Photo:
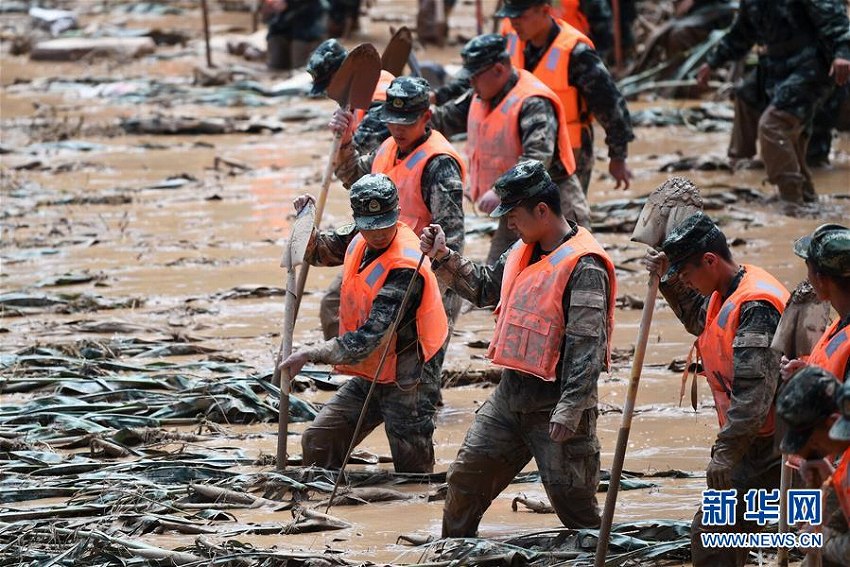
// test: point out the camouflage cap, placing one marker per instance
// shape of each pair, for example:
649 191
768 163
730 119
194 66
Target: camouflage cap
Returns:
515 8
407 99
374 202
688 238
524 180
828 248
804 403
323 63
841 429
482 52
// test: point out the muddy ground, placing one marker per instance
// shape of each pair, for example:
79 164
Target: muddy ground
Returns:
139 245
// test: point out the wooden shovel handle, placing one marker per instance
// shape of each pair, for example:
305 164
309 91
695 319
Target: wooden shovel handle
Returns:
626 424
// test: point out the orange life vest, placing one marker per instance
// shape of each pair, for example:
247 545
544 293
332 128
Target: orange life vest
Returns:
360 287
832 353
494 143
380 94
407 175
721 324
553 70
841 484
570 12
530 322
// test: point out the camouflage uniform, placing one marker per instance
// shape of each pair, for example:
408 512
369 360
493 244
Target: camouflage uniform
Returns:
806 403
600 98
442 193
407 406
538 126
512 426
324 62
801 38
757 464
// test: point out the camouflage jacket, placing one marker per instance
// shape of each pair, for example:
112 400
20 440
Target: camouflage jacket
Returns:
538 126
583 352
756 364
836 546
599 93
442 187
328 249
795 32
372 131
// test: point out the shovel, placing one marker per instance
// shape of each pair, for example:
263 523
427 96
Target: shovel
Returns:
399 51
670 203
293 256
353 86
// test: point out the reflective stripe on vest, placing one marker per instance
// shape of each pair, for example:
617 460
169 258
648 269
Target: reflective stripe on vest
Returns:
380 94
530 322
553 70
360 287
832 351
721 325
841 484
407 175
494 143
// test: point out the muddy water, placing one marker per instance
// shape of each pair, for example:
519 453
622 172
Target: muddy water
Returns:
176 248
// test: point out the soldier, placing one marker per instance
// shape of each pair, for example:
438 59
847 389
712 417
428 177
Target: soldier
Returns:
425 167
590 17
512 117
801 38
369 130
555 291
379 256
817 409
827 255
295 28
565 60
734 310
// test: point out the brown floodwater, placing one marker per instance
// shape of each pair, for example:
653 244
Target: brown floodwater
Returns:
176 248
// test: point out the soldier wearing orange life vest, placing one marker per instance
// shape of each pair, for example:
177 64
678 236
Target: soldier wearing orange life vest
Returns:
827 255
734 311
379 255
555 289
510 118
567 61
323 64
816 408
427 170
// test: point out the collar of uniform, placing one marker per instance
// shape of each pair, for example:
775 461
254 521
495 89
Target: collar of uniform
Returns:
400 155
736 281
496 100
538 253
532 54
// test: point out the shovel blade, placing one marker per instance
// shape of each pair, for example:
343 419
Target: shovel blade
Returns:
295 247
395 55
353 85
668 205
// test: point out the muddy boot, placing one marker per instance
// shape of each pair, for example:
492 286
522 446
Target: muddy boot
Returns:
301 51
742 142
278 53
781 135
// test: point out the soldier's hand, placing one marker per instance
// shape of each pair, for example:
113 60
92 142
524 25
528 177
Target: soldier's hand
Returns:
488 202
840 70
342 123
656 262
302 201
703 74
621 172
432 242
718 475
814 471
294 362
559 432
788 368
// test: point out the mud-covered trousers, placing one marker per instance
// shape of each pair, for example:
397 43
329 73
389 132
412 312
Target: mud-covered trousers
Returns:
760 468
407 414
497 447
